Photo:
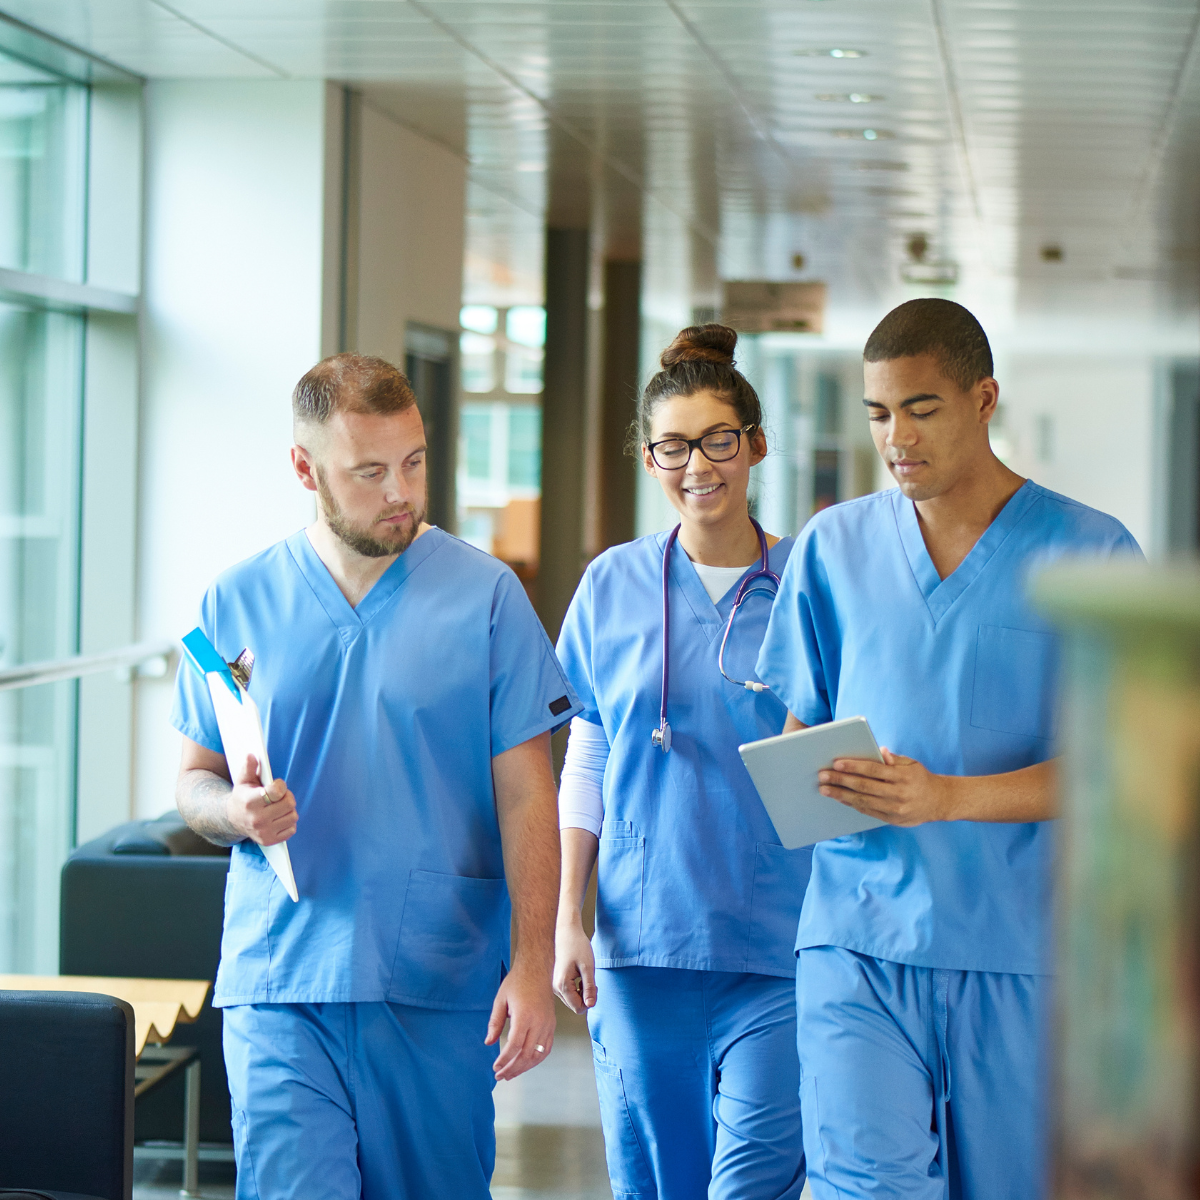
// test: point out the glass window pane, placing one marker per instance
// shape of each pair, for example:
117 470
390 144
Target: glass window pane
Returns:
478 362
526 324
477 441
43 130
523 371
482 318
40 401
525 447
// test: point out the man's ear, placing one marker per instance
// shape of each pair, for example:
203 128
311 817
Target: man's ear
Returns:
988 395
305 467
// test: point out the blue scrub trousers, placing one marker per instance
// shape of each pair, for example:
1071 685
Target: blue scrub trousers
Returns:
374 1100
920 1083
697 1076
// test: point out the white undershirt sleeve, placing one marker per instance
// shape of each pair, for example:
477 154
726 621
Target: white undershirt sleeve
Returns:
581 789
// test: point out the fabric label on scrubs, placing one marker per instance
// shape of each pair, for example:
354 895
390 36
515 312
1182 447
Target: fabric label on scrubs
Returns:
559 706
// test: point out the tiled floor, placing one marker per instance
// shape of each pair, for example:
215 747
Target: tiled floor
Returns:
548 1141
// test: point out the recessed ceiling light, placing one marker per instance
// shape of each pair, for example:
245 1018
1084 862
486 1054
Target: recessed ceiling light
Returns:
849 97
833 52
867 135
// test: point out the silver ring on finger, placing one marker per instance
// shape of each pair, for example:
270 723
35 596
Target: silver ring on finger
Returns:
540 1049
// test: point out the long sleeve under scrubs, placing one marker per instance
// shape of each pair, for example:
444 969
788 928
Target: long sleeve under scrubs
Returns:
355 1018
693 1032
923 965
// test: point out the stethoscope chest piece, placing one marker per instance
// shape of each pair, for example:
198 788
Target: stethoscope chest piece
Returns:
661 737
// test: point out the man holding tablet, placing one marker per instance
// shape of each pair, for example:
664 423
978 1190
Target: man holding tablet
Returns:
923 972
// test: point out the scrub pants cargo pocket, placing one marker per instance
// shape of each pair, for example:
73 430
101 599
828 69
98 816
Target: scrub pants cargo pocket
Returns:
452 936
628 1172
247 1185
619 893
814 1142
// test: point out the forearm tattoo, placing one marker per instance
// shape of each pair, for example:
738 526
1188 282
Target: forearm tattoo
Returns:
200 797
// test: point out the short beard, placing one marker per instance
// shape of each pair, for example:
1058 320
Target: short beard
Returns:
358 539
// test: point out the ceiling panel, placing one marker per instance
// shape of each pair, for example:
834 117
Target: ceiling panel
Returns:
994 127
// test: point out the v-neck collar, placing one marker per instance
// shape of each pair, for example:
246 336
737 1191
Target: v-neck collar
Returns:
350 621
709 616
940 594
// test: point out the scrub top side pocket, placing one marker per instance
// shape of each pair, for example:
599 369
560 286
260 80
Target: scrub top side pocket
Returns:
451 942
620 876
1013 688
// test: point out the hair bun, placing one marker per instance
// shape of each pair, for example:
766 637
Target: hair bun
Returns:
701 343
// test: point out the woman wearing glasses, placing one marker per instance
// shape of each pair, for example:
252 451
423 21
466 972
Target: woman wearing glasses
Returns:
689 989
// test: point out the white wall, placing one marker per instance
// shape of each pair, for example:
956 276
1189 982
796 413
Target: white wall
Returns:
1085 427
409 216
235 244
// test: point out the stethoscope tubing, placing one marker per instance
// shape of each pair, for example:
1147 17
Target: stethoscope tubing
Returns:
662 735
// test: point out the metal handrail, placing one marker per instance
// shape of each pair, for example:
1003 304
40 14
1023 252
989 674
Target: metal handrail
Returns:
86 664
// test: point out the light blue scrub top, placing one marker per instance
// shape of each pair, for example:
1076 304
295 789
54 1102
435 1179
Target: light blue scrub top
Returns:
384 721
691 872
956 673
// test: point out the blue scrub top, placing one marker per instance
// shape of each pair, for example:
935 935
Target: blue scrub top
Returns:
957 673
384 720
691 872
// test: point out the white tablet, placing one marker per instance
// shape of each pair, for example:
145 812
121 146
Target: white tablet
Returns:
784 770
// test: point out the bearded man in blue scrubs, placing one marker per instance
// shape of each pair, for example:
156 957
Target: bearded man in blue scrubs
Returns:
923 976
408 693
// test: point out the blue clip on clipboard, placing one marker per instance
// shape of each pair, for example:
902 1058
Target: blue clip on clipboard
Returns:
241 732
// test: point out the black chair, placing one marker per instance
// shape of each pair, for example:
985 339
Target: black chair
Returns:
66 1094
147 900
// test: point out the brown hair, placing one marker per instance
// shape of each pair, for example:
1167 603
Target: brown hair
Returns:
351 383
941 328
700 359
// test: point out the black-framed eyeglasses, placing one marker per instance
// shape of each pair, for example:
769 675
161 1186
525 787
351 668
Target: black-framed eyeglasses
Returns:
719 446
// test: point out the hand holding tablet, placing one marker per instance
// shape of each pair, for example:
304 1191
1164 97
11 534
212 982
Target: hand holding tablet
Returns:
784 770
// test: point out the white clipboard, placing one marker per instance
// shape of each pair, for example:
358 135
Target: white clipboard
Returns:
241 731
784 770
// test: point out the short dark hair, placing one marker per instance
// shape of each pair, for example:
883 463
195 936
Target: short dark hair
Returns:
351 383
700 359
938 327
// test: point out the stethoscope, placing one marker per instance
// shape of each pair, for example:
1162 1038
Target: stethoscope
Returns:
661 736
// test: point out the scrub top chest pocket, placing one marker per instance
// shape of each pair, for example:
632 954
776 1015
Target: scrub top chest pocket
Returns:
1013 688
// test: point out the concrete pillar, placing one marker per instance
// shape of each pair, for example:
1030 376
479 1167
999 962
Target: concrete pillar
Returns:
564 423
622 333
